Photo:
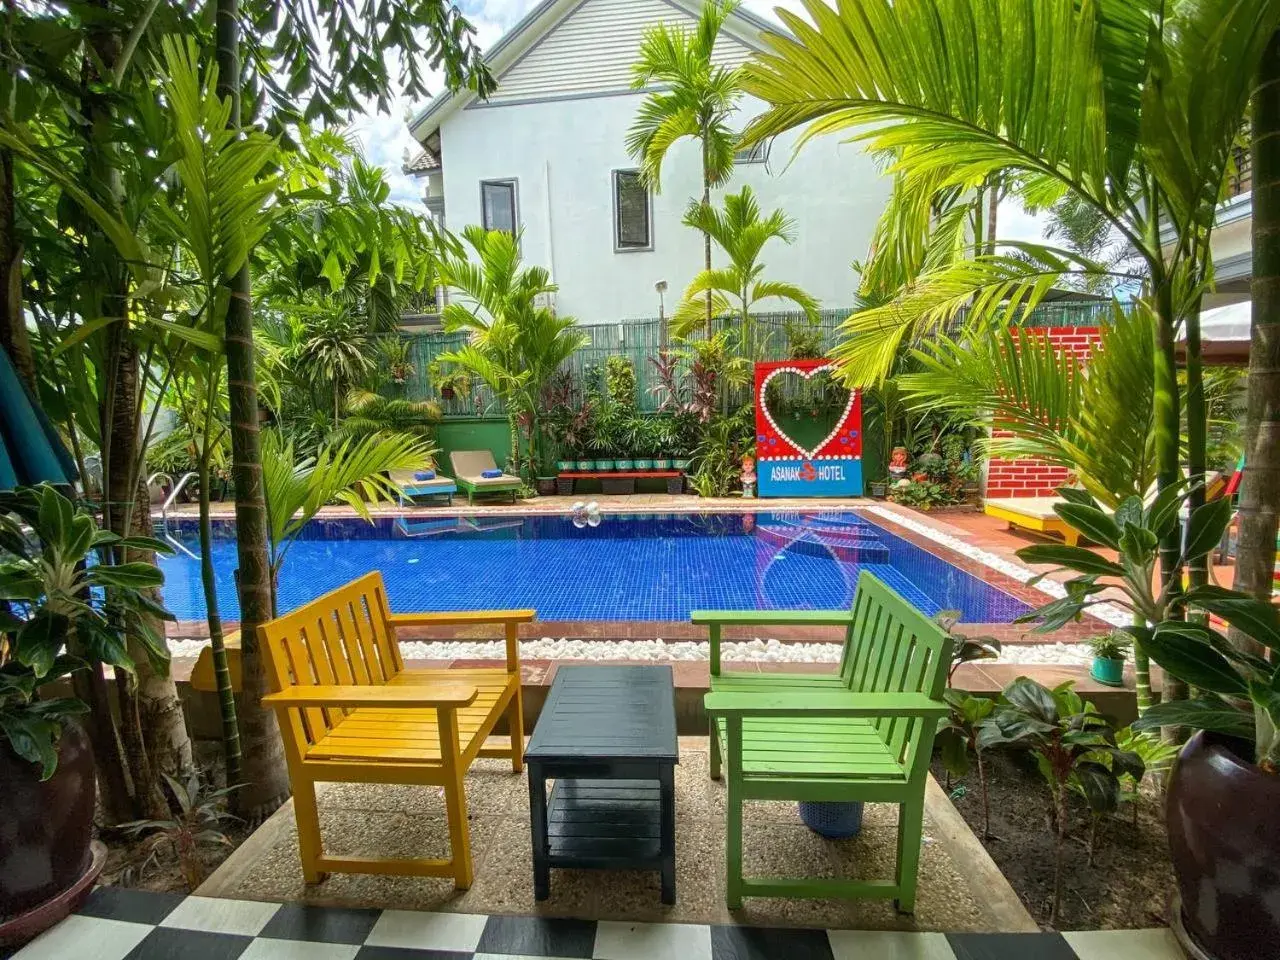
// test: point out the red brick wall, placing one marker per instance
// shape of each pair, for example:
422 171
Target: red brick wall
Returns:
1034 478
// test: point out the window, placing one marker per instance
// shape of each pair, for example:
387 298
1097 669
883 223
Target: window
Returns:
756 153
498 204
632 227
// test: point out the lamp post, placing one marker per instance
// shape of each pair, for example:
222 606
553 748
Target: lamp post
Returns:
661 288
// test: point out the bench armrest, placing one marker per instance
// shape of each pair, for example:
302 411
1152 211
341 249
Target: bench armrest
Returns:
774 618
715 619
824 704
398 695
510 619
461 617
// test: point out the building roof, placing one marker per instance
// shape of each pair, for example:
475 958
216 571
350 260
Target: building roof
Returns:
426 161
537 23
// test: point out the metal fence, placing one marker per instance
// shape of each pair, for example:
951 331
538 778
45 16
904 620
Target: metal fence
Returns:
641 341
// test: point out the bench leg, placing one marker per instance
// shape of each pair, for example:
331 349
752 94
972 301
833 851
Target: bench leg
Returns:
455 799
308 819
715 752
910 828
515 723
733 844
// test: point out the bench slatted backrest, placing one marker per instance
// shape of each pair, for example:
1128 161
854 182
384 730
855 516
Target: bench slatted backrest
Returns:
894 648
339 638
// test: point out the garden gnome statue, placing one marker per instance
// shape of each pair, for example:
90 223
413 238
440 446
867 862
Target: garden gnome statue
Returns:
898 463
748 477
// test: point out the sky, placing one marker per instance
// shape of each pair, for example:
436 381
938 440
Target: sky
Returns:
386 139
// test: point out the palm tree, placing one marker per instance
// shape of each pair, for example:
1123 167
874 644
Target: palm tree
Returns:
336 353
1131 106
1260 490
267 783
741 232
697 99
351 472
516 345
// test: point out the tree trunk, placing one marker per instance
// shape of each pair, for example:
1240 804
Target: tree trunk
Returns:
267 782
164 725
120 493
14 337
1168 426
221 671
706 203
1260 487
1168 422
993 205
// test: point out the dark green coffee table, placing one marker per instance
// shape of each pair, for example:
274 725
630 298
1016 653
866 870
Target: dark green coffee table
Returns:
607 737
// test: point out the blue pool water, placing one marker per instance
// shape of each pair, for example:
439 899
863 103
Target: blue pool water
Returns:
628 568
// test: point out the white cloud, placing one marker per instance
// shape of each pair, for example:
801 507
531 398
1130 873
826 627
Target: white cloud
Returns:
1015 223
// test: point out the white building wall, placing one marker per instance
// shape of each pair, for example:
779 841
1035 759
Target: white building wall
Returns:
562 153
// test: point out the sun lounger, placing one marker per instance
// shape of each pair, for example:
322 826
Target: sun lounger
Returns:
1032 513
468 469
415 490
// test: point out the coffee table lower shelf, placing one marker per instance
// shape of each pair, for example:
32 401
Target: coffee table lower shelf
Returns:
608 825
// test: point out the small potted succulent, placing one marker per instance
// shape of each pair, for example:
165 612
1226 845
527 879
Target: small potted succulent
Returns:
1109 652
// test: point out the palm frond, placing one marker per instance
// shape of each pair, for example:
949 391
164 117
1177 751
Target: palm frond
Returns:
1045 403
350 472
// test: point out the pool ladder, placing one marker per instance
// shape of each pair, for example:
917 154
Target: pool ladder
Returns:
168 502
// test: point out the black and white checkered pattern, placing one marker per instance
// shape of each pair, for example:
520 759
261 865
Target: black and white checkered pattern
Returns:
119 924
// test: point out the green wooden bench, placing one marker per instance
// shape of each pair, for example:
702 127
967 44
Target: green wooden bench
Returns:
863 733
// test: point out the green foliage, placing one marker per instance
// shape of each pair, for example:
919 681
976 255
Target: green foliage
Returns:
1099 420
198 822
1111 646
321 64
1096 100
1236 689
516 345
717 458
1074 747
350 472
620 384
741 232
59 614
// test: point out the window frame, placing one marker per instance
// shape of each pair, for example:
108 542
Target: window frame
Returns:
758 153
514 184
618 246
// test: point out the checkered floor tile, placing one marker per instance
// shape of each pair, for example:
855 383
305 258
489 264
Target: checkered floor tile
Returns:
118 924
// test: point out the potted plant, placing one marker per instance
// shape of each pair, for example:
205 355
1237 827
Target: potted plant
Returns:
46 764
879 489
450 381
663 441
640 441
1109 650
1223 797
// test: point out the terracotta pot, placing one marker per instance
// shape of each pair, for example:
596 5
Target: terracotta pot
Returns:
45 828
1223 817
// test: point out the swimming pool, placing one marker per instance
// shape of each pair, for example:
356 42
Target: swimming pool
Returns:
630 567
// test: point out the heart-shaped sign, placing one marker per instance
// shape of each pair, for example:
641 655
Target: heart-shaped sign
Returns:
787 445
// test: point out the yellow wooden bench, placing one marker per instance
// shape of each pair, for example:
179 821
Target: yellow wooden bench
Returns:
350 712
